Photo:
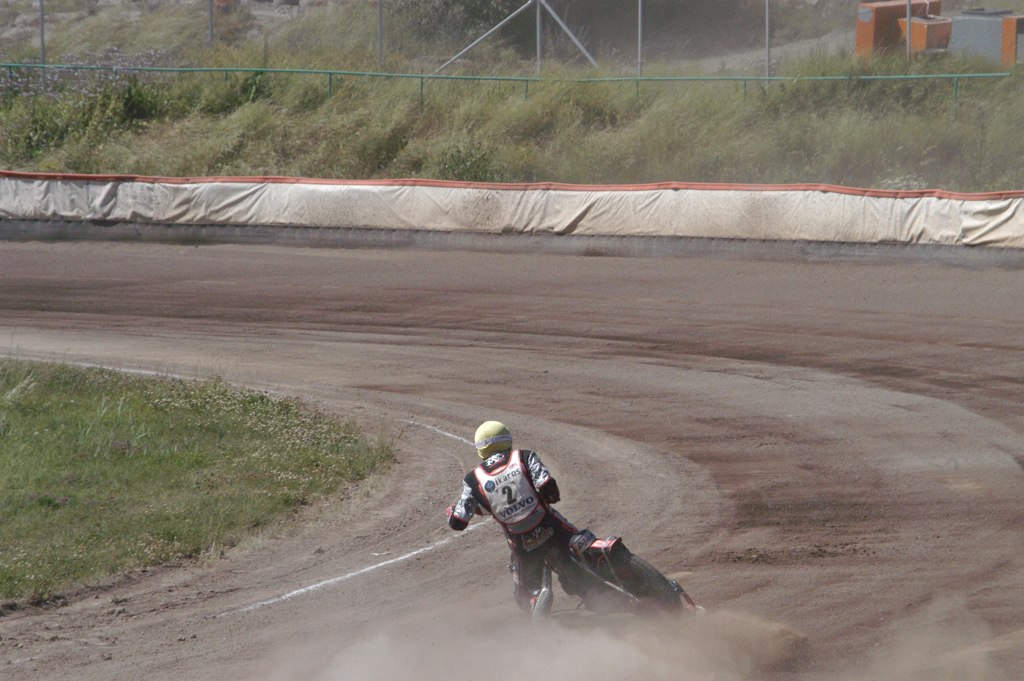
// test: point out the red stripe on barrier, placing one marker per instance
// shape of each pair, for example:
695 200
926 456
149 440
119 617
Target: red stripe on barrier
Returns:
528 186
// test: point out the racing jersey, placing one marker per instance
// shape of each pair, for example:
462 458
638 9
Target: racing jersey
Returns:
514 487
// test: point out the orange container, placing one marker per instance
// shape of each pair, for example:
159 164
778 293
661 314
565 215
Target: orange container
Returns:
926 33
878 28
1013 40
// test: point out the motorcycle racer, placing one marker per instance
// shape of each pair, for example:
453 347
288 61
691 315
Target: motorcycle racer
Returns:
515 488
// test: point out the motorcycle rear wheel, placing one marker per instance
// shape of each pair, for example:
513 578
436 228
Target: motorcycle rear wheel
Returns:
648 585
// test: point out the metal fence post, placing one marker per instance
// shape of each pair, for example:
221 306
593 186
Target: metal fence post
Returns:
538 35
380 36
42 33
909 9
639 39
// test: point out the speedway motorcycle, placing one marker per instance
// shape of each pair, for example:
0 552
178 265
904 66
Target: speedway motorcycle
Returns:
608 577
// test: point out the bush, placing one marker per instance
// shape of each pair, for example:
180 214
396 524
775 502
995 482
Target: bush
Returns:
469 164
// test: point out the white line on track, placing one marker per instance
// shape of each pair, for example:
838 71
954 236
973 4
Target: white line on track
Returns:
369 568
335 580
438 430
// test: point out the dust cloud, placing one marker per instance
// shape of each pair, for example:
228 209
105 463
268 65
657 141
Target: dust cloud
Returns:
719 646
939 642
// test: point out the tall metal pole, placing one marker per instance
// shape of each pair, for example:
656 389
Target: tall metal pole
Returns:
540 6
908 30
572 36
42 33
209 19
639 38
380 36
485 36
537 3
767 41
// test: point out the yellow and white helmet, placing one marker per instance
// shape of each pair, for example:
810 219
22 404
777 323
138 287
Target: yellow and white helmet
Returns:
492 437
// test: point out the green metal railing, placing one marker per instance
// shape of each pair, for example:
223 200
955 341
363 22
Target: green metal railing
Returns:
764 81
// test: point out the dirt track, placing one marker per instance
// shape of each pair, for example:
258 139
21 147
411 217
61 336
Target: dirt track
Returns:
828 448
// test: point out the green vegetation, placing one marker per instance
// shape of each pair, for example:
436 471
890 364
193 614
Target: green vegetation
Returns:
102 472
899 134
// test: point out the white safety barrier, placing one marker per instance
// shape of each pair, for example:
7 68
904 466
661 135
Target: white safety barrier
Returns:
758 212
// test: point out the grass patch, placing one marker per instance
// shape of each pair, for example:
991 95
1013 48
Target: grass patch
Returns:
101 472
